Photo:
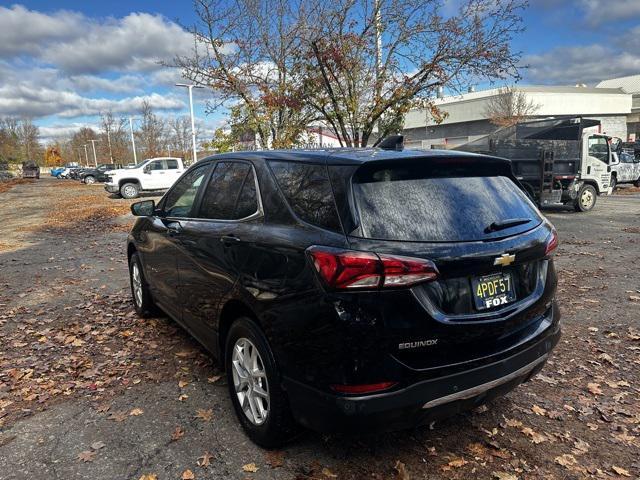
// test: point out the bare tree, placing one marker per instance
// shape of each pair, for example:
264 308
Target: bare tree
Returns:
250 53
179 136
509 107
151 132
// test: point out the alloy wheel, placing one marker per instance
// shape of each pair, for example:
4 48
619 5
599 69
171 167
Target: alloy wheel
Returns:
136 282
250 381
129 191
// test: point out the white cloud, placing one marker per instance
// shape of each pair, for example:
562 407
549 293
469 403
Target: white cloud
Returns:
583 64
29 101
600 12
24 31
80 45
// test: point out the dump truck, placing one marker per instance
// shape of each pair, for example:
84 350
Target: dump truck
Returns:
558 161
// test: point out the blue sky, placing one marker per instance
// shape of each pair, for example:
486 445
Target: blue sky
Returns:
62 62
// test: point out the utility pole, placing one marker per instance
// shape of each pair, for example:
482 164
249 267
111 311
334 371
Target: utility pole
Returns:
95 159
193 127
133 141
378 31
86 155
109 142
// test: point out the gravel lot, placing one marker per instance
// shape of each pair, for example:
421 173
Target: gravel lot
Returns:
89 390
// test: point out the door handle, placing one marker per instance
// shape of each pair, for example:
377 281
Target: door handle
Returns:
174 229
229 239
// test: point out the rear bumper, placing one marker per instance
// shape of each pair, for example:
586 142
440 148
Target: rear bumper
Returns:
421 402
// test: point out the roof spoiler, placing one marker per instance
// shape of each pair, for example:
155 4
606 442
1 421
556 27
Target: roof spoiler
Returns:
392 142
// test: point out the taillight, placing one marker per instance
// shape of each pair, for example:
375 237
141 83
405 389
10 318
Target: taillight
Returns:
552 243
406 271
349 269
361 389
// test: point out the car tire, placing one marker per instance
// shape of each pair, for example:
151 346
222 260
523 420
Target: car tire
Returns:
130 190
274 425
614 183
89 180
142 300
586 199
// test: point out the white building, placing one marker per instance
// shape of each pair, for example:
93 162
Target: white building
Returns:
630 84
467 113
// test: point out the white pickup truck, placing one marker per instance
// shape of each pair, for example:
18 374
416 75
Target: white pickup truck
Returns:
148 175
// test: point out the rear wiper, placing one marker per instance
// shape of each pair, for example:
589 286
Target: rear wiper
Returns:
508 223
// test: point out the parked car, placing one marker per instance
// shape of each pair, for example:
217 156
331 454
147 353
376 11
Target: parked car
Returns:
55 171
352 289
30 170
149 175
97 174
627 170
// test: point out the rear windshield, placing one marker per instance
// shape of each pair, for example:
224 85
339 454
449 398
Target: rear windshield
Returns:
405 205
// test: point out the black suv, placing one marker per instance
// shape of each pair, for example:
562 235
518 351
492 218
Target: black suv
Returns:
352 289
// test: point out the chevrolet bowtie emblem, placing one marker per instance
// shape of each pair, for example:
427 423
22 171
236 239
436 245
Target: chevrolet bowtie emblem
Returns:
504 259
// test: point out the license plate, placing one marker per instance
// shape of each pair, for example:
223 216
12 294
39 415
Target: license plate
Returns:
493 290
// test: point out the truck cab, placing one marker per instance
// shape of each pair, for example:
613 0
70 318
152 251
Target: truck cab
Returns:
149 175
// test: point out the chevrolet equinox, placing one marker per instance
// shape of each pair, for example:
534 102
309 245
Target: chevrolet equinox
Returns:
352 289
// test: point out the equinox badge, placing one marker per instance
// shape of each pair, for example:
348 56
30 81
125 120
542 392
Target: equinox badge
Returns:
504 259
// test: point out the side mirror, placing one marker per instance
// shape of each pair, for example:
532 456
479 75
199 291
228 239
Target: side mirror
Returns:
144 208
146 169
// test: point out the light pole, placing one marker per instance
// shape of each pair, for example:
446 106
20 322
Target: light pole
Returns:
133 141
95 159
193 127
86 155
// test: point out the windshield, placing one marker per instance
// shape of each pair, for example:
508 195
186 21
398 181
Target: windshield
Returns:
395 205
139 165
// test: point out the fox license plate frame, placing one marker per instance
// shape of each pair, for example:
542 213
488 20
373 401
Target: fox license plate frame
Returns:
492 291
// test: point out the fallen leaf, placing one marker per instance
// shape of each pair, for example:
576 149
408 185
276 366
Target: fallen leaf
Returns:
188 475
177 434
566 460
512 422
328 473
97 445
205 460
182 383
205 415
621 471
402 470
538 410
250 467
535 436
136 412
183 397
86 456
149 476
594 388
457 463
214 379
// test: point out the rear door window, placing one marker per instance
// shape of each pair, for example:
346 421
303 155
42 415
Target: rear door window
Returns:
307 189
231 193
411 204
172 164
